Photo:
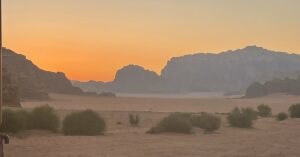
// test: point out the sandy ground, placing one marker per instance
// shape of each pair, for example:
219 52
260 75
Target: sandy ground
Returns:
268 138
278 103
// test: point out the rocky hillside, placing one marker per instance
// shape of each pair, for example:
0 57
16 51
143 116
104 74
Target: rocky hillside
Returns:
206 72
33 82
228 71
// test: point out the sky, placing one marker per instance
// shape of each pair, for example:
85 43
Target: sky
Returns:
92 39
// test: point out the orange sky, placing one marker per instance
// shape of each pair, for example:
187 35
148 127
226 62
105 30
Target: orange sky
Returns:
91 39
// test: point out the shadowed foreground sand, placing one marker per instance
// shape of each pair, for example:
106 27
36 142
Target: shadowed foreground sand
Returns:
268 138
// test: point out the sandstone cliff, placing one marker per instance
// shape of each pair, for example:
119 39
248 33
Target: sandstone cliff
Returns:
205 72
33 82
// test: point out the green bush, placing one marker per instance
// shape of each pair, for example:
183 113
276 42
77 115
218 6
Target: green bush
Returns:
24 115
43 118
13 121
264 110
242 118
175 122
206 121
134 119
281 116
87 123
295 111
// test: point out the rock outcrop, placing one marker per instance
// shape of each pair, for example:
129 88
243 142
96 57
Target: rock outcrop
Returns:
129 79
58 83
136 79
33 82
228 71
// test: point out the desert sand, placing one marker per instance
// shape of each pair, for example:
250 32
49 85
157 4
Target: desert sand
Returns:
268 138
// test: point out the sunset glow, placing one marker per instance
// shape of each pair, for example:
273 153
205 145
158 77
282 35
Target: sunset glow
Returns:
91 39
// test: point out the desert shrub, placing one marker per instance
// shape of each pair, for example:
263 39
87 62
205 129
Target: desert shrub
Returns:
87 123
295 111
264 110
24 115
134 119
206 121
281 116
175 122
43 118
13 121
256 90
242 117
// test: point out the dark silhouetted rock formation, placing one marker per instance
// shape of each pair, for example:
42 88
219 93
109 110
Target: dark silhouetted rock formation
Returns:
33 82
58 83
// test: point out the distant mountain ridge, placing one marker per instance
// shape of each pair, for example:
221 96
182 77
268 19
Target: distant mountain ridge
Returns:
228 71
204 72
129 79
33 82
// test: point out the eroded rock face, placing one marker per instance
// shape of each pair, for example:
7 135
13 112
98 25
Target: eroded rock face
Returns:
228 71
58 83
33 82
205 72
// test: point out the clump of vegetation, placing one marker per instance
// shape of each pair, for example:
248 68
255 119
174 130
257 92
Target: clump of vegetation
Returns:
24 115
281 116
242 118
175 122
86 123
256 90
13 121
43 118
206 121
295 111
264 110
134 120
